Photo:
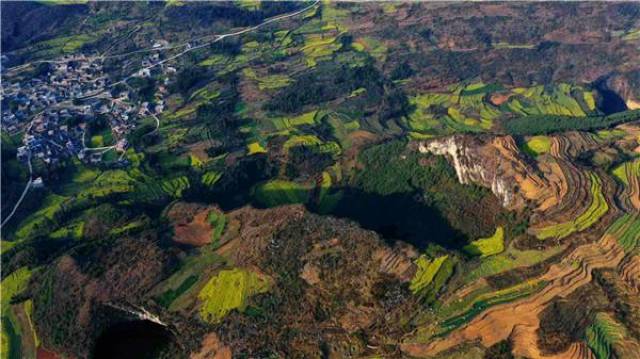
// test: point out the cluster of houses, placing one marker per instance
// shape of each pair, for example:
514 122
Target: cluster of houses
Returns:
47 107
54 108
71 77
52 136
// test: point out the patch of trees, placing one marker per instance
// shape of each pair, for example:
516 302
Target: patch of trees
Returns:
204 14
187 79
395 104
429 184
402 71
228 46
324 84
544 124
219 115
307 161
24 22
145 87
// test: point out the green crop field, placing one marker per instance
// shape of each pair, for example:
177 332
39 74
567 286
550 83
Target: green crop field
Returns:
538 145
279 192
485 247
427 270
626 230
42 220
229 290
509 259
627 169
218 222
461 312
286 123
13 284
597 209
603 334
64 45
610 135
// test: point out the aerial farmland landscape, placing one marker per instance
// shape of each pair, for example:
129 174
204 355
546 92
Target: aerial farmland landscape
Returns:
320 179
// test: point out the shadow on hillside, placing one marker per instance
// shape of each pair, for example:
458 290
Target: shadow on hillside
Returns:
400 216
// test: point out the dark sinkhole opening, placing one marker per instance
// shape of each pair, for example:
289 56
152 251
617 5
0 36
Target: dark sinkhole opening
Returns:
139 339
609 102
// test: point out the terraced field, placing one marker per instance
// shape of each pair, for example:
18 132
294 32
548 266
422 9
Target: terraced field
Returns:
629 174
335 179
13 332
279 192
427 270
498 322
607 338
597 208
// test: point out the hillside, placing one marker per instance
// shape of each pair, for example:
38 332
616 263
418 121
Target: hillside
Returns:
320 179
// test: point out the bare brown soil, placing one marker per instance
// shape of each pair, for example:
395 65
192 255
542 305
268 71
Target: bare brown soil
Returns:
191 223
212 348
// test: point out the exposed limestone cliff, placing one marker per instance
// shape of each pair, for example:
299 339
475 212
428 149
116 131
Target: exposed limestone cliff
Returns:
496 163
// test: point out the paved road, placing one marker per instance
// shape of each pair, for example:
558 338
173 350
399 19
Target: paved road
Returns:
24 193
98 93
220 38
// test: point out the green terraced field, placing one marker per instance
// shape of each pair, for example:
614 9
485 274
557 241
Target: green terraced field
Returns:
538 145
468 109
510 259
173 291
603 334
626 230
43 219
539 100
210 178
13 284
597 209
268 82
485 247
427 270
255 147
318 48
462 312
174 187
279 192
229 290
627 169
287 123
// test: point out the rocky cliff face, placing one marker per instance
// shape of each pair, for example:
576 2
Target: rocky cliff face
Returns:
495 163
473 167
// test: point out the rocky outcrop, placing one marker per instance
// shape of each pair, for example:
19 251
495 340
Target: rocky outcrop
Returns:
496 163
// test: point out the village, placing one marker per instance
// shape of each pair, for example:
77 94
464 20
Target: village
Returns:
56 108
